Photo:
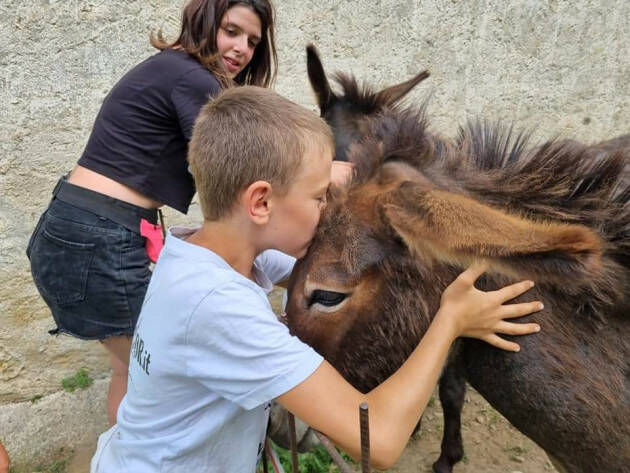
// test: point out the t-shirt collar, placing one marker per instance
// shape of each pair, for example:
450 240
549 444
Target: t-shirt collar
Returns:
176 240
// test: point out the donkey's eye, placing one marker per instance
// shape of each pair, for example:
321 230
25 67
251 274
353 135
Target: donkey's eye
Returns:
327 298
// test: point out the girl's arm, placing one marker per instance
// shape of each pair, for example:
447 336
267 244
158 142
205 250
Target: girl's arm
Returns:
328 403
4 460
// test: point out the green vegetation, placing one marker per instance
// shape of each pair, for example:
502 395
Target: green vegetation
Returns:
80 380
58 464
316 461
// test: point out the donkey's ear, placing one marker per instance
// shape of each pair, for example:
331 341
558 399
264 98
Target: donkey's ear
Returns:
393 94
318 79
442 226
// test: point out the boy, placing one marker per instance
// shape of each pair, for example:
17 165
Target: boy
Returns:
209 355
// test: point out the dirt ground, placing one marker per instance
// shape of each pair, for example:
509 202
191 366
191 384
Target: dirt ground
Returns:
491 444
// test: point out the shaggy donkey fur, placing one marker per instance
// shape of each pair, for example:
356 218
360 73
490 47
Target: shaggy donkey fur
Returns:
419 209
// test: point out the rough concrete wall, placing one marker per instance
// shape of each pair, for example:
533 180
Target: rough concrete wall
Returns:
558 65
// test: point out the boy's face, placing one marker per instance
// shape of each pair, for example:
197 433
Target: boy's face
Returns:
295 215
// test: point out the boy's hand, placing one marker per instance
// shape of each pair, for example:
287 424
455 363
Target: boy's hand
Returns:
481 315
341 173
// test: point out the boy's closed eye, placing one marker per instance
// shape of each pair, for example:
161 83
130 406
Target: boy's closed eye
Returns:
322 196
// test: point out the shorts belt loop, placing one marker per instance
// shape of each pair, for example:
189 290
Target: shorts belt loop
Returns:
161 217
58 186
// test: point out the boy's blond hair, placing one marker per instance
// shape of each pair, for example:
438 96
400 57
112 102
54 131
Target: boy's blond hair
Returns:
248 134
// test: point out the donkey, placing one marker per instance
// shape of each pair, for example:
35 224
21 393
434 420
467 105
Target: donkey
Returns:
348 114
419 209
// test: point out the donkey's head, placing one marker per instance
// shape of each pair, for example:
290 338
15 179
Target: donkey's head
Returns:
347 113
387 247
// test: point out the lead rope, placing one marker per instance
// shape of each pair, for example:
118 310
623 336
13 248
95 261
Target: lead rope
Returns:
270 456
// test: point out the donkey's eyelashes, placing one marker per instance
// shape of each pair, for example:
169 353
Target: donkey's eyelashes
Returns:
327 298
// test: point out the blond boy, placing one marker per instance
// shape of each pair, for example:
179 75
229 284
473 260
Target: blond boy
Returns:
209 355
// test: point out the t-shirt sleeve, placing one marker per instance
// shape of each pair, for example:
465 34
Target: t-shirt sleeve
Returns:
192 92
276 265
237 348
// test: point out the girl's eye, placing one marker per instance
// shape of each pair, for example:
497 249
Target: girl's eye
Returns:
253 44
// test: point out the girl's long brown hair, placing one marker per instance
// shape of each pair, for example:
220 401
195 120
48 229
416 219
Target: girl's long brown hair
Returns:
201 20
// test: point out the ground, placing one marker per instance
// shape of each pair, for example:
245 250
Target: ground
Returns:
491 444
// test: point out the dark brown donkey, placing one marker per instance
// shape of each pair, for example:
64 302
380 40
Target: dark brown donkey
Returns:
421 209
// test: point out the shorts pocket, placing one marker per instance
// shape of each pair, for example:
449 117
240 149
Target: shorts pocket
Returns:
60 267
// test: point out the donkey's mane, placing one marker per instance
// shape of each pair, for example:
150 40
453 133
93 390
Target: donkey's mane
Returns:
558 180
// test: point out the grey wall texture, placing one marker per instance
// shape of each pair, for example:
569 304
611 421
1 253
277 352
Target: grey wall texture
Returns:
560 66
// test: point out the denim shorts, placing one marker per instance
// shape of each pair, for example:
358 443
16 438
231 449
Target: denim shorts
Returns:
92 272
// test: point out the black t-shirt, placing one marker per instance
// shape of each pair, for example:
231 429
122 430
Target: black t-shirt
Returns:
140 136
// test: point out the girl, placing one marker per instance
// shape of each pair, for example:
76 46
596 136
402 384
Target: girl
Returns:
88 256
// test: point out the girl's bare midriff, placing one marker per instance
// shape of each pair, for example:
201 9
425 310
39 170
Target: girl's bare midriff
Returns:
96 182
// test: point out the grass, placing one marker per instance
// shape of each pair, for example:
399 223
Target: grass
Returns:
80 380
316 461
58 464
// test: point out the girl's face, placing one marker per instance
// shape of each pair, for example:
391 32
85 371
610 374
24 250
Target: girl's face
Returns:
237 38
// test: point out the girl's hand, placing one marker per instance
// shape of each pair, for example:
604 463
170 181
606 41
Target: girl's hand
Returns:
4 460
481 315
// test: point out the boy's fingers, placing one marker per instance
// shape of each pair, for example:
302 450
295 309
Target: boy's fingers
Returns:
473 272
518 310
341 173
514 290
499 342
511 328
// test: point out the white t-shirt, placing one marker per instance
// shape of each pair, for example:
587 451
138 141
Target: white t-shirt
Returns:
207 357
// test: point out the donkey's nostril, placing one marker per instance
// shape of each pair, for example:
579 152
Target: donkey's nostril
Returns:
326 298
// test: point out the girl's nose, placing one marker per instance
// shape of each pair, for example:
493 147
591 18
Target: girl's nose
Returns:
240 45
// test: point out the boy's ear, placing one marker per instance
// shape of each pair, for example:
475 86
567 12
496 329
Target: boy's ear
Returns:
256 199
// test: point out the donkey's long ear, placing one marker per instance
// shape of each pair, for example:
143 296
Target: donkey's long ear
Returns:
318 79
393 94
439 225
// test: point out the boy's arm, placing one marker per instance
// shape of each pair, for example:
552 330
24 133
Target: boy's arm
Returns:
330 404
277 266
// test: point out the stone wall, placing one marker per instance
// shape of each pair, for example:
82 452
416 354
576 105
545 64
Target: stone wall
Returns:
559 66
